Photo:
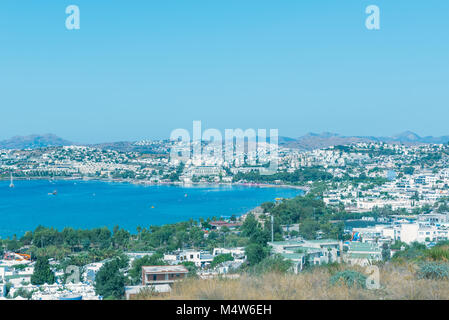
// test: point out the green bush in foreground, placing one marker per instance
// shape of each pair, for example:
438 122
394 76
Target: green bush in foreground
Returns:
434 270
439 253
350 278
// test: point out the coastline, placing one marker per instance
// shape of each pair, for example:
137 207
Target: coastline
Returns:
305 189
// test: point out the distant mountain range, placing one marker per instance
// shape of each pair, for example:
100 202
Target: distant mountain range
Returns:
312 141
34 141
309 141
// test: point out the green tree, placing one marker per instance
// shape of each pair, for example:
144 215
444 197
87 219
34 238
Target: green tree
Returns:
385 252
110 281
260 237
308 228
255 253
220 259
120 237
42 272
13 245
250 225
136 269
267 206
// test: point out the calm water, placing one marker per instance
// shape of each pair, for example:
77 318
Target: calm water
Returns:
91 204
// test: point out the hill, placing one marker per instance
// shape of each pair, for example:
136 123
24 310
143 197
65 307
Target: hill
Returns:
307 142
312 141
34 141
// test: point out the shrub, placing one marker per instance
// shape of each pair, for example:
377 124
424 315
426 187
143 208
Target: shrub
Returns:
333 267
191 267
255 253
23 293
398 244
275 263
442 243
350 278
438 254
433 270
413 252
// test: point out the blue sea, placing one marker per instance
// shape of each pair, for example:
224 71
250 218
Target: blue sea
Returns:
92 204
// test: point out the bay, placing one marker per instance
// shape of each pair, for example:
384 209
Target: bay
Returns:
92 204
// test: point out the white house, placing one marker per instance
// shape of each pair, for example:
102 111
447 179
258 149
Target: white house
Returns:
199 258
237 253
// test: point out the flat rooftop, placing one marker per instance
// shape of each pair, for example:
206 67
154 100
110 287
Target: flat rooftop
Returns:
158 269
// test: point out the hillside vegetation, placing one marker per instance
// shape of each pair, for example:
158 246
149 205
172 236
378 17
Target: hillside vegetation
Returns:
397 281
416 273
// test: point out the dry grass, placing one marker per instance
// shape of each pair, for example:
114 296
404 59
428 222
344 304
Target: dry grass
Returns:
398 281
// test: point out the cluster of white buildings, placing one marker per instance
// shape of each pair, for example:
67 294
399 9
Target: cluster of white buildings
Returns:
90 162
408 192
308 252
367 243
318 252
16 272
15 281
160 278
203 259
423 228
408 183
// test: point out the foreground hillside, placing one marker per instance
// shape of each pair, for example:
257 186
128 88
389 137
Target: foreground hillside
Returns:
397 281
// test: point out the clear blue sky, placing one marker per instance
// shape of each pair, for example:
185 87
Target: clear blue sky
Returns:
139 69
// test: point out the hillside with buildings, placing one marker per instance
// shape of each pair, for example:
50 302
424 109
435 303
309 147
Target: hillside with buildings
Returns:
368 205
